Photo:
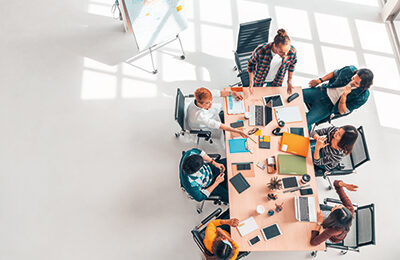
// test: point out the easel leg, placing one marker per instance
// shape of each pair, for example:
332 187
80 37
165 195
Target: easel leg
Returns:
180 42
152 62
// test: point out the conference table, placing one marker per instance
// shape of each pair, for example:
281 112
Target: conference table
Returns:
295 235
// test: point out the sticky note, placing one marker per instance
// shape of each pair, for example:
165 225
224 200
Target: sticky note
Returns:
284 147
258 132
178 8
147 14
267 138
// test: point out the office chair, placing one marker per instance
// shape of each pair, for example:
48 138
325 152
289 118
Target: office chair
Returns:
329 118
216 199
362 231
199 231
356 158
180 111
251 35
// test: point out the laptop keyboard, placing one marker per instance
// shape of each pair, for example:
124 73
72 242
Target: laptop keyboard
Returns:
304 211
259 115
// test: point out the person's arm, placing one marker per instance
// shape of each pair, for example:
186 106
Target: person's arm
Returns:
251 66
220 178
211 233
316 82
323 131
318 238
342 107
226 93
231 129
342 194
289 82
292 67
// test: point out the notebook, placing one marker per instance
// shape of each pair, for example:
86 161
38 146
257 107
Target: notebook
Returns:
235 106
291 164
239 183
237 145
247 226
295 144
288 114
246 169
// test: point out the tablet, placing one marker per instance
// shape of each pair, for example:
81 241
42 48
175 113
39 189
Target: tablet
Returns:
276 100
290 182
271 231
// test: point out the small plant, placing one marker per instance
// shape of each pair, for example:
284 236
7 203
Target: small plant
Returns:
275 184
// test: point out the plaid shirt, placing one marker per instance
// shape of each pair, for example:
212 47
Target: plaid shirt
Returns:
260 62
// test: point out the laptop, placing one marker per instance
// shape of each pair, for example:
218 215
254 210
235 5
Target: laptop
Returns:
304 208
295 144
260 115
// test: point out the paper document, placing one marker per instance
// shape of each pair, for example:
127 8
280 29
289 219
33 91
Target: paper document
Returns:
247 226
234 106
288 114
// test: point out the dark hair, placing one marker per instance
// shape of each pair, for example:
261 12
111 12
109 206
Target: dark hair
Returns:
367 77
192 164
348 139
281 38
222 250
339 218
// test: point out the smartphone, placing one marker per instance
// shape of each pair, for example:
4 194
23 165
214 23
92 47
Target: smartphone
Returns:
254 240
306 191
237 124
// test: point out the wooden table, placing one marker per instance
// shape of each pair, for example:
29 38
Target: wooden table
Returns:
295 235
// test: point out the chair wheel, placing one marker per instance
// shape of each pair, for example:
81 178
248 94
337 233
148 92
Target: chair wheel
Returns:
211 141
199 211
235 68
330 187
314 253
155 71
182 57
177 134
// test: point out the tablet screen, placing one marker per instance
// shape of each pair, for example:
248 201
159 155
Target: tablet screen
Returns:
271 231
276 100
289 182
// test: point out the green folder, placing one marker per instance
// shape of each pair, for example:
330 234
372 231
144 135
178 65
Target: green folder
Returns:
291 164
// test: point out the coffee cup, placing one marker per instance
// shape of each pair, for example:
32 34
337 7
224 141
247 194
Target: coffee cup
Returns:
260 209
305 178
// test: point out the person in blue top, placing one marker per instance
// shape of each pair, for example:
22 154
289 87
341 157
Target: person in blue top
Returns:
201 176
346 90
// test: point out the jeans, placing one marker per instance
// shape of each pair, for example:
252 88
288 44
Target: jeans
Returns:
222 189
321 105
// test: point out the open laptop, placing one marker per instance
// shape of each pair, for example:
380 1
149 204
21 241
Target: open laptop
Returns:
304 208
260 115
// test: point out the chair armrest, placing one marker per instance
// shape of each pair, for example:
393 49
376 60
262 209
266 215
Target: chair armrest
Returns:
189 96
211 216
336 201
341 172
214 198
198 240
237 61
215 156
243 254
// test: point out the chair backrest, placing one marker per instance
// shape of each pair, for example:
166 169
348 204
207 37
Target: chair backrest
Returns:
252 34
180 108
365 219
360 154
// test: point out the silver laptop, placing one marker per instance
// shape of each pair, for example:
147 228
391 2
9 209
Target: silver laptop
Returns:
260 115
304 208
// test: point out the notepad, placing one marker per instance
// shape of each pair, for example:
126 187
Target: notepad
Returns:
288 114
235 106
292 164
247 226
239 183
238 145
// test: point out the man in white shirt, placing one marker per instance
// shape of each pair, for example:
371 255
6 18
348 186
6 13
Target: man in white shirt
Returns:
202 114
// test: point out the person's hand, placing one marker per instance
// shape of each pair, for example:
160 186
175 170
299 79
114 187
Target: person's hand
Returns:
237 95
314 83
251 87
243 134
233 222
289 87
320 217
220 166
320 142
346 90
350 187
220 178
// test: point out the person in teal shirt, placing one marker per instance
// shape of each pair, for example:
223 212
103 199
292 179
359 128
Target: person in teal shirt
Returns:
346 90
202 177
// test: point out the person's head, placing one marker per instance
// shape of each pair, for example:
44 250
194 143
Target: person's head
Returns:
340 217
363 79
192 164
282 43
203 98
221 247
345 137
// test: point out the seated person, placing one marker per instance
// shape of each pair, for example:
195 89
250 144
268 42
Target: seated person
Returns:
337 224
332 144
219 242
201 176
346 90
202 114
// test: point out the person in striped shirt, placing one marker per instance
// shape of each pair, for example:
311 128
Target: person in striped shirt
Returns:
332 144
269 62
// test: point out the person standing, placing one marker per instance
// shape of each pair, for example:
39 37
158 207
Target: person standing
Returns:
270 61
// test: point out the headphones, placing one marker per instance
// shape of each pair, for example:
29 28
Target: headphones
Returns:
277 131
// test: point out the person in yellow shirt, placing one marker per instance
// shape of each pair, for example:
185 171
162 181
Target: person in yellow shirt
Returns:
219 242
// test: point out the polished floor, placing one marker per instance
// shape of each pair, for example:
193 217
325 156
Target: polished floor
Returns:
88 156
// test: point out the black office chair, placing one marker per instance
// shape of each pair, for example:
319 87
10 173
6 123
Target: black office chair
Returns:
348 165
362 231
199 231
180 112
251 35
216 199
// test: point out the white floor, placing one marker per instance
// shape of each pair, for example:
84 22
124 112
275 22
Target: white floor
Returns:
88 158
